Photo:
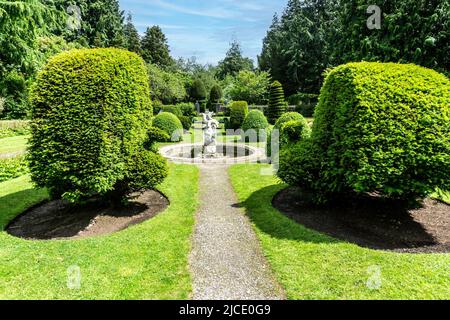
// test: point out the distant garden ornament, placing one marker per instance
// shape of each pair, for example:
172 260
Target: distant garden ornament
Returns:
209 135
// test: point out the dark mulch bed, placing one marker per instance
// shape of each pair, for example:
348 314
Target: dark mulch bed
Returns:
62 220
373 222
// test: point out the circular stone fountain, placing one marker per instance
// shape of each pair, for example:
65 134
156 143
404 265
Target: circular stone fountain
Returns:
210 151
226 153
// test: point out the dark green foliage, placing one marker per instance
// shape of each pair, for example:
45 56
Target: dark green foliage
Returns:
305 103
146 170
294 131
170 124
12 168
186 122
155 135
83 139
21 24
216 94
238 113
101 23
14 90
155 49
380 128
171 109
187 109
198 90
312 36
132 38
256 122
285 118
277 105
233 62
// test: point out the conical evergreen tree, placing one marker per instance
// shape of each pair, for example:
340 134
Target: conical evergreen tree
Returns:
155 48
133 41
277 104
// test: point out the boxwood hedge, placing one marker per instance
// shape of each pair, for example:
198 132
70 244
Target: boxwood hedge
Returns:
91 113
238 112
256 121
379 127
170 124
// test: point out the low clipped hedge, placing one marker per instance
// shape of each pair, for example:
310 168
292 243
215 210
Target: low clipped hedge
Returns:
255 126
170 124
11 168
238 113
379 127
91 113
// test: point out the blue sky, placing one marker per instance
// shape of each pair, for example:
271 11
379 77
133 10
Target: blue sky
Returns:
205 28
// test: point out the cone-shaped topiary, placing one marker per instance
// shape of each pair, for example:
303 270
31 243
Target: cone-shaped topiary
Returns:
277 104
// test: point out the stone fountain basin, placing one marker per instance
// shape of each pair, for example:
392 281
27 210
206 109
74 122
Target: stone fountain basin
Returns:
226 154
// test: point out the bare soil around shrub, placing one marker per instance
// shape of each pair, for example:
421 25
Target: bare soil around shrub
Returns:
373 222
62 220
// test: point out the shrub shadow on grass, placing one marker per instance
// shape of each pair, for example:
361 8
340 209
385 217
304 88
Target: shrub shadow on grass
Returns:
269 220
13 204
367 222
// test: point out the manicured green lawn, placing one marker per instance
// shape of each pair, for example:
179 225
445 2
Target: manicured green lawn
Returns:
13 144
147 261
310 265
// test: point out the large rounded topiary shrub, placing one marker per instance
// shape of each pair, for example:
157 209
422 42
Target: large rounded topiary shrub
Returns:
238 112
255 126
277 104
91 115
379 127
170 124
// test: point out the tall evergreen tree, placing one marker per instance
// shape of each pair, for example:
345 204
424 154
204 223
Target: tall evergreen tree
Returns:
101 23
234 62
155 48
133 41
21 23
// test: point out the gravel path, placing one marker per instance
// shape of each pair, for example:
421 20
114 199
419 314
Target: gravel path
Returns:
226 261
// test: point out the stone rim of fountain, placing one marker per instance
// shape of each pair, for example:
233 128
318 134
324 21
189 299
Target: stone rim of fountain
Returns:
256 154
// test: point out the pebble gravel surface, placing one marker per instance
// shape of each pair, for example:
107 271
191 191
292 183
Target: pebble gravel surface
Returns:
226 261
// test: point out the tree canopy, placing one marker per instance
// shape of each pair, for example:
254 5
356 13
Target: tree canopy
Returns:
155 48
234 62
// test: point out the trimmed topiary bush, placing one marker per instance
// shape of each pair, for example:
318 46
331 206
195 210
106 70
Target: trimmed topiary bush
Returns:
294 131
171 109
170 124
277 104
256 121
145 170
216 94
186 122
238 113
91 115
198 90
379 127
284 118
155 135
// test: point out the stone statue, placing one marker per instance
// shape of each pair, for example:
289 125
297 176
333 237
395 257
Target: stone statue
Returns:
209 134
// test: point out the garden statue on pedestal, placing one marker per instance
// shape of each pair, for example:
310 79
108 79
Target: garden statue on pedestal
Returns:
209 135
